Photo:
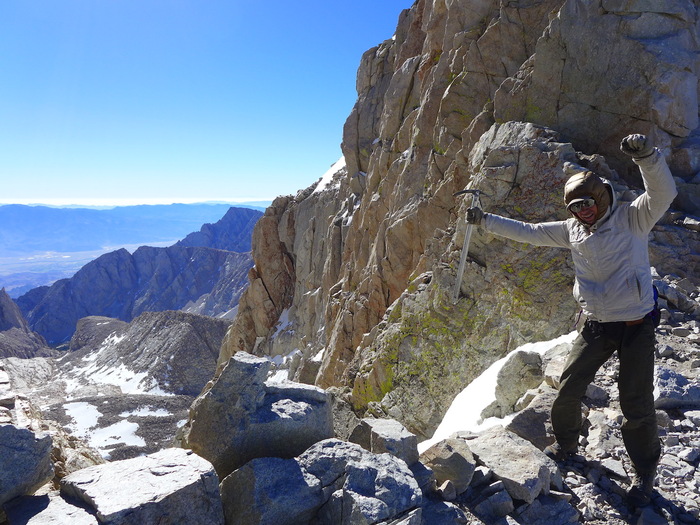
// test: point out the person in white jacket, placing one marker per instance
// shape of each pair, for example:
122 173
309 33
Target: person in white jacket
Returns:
613 287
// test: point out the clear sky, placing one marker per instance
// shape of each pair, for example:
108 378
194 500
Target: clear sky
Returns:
144 101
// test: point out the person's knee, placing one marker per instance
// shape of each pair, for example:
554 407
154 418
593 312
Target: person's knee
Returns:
642 421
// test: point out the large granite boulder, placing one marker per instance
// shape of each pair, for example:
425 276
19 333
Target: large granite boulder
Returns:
173 486
334 482
25 457
386 435
47 509
521 372
259 418
451 460
272 491
525 471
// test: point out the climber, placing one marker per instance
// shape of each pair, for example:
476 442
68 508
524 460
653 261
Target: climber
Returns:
613 287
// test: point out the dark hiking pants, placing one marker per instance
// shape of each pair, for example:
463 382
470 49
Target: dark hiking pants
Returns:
634 345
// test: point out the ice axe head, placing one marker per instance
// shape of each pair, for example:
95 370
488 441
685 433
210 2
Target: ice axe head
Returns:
475 195
473 192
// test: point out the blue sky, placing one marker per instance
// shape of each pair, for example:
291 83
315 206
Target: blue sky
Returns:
144 101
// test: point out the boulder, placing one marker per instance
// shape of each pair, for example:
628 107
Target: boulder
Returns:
332 482
439 513
496 505
522 371
386 435
362 487
25 457
554 361
525 470
47 509
271 491
603 437
533 422
173 486
258 418
674 390
451 460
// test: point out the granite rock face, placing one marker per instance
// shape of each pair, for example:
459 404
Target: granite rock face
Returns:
352 280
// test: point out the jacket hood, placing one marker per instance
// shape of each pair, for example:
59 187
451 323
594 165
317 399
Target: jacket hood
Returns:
588 184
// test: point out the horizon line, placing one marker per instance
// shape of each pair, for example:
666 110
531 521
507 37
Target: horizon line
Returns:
118 202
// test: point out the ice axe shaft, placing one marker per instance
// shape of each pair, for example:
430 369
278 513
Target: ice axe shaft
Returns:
476 203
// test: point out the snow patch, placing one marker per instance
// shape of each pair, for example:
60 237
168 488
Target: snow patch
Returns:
319 356
282 324
465 412
279 376
145 412
281 364
122 432
85 418
327 177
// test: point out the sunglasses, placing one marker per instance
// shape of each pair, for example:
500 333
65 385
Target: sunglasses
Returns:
585 203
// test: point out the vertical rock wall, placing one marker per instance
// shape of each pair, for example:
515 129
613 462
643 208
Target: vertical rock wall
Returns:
353 281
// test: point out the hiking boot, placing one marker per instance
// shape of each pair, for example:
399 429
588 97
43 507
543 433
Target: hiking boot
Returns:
642 487
558 453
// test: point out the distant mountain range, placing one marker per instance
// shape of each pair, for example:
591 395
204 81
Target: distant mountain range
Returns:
41 244
205 273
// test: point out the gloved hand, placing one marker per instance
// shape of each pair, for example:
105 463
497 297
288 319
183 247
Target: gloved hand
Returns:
475 215
637 146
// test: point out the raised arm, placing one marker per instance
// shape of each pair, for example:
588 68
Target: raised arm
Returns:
660 188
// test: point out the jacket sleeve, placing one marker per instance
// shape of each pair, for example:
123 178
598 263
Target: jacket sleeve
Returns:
649 207
554 234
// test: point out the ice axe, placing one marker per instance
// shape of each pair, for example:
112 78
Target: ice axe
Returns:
476 203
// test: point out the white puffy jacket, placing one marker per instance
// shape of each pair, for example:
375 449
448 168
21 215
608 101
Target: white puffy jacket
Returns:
611 257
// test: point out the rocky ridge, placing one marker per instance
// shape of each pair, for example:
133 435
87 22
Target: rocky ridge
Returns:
123 285
231 232
205 273
16 338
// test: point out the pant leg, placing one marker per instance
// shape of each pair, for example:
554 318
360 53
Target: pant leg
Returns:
591 349
636 384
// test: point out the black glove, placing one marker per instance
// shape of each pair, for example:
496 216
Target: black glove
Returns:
637 146
475 215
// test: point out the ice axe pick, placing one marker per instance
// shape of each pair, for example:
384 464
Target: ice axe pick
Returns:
476 203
